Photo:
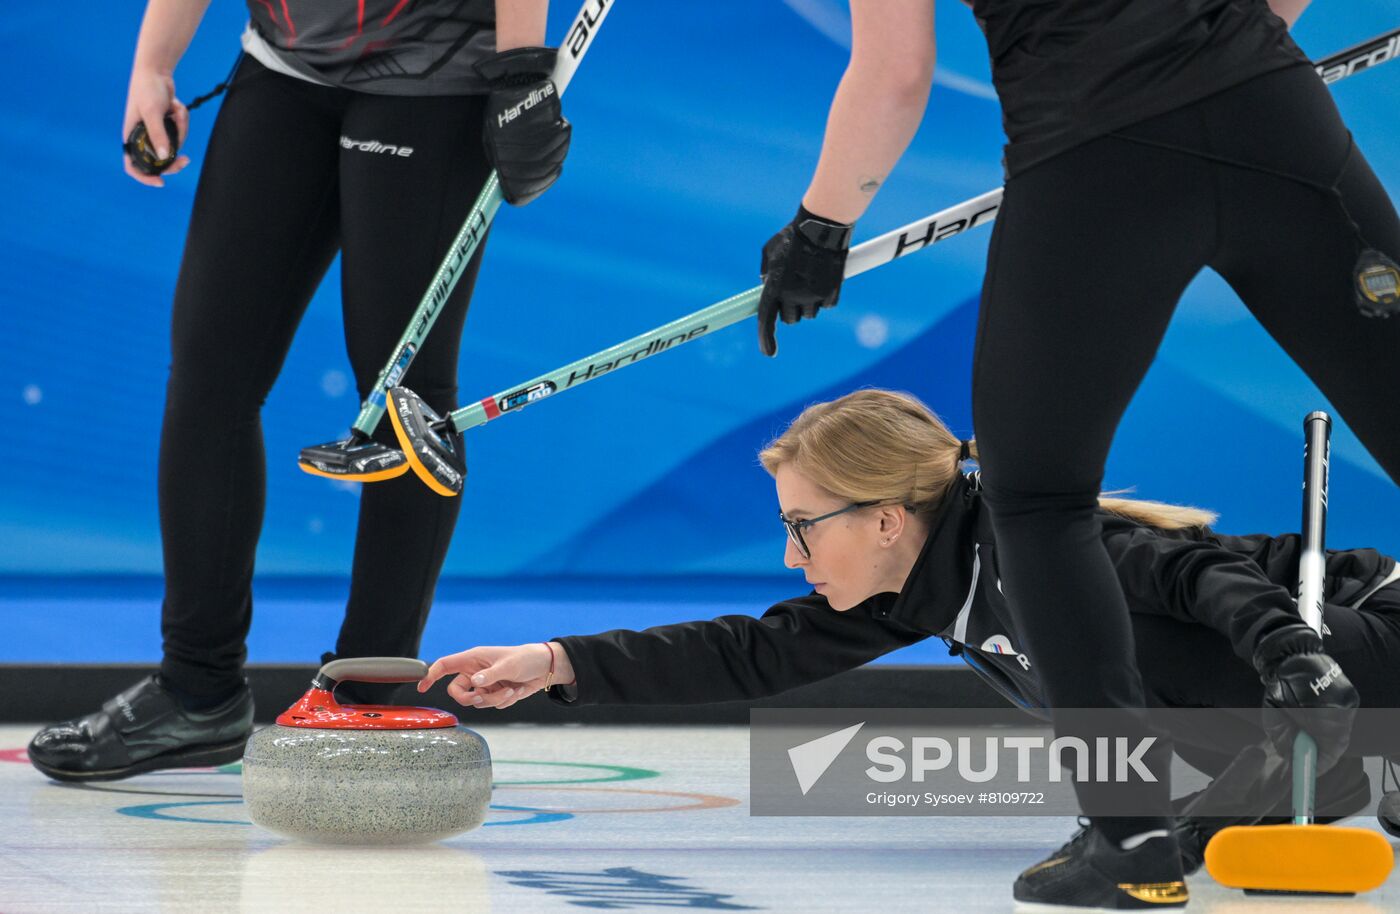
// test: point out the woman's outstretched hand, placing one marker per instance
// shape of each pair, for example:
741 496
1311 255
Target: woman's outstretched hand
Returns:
498 677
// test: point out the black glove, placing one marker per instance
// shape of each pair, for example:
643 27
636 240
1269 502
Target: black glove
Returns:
1299 677
525 134
801 269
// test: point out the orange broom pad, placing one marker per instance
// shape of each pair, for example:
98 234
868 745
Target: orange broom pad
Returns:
1307 859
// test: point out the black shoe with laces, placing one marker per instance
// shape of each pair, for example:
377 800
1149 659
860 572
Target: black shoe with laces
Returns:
145 728
1091 871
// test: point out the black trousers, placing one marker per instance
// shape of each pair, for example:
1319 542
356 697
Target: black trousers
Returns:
1089 255
286 184
1191 666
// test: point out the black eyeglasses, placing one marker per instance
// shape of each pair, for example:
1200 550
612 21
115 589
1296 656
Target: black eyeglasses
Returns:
795 527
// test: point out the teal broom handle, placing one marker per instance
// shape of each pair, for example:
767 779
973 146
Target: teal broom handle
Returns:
483 212
876 252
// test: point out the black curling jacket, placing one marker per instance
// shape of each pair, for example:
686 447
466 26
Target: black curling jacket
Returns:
1240 586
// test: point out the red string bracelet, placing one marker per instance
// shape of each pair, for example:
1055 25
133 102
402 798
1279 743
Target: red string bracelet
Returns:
549 677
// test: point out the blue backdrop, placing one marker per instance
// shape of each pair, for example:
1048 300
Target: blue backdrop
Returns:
695 133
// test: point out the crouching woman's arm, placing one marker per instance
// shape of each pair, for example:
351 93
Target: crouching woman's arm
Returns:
736 657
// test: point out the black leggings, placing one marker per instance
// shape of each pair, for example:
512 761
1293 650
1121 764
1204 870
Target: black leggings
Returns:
280 193
1090 253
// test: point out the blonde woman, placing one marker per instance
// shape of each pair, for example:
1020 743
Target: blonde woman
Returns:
894 539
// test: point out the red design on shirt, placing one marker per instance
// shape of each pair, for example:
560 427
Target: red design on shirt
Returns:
291 26
394 12
359 27
272 13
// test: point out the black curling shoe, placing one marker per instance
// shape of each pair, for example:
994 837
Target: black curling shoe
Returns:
1388 814
144 728
1091 872
1388 811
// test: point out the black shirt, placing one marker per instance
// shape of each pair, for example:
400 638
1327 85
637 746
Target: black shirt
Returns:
383 47
1240 586
1068 71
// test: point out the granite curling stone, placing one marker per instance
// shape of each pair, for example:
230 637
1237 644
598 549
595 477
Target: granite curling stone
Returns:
366 774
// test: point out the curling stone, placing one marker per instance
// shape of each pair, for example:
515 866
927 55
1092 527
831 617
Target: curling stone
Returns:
366 774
